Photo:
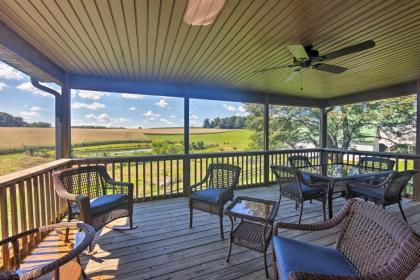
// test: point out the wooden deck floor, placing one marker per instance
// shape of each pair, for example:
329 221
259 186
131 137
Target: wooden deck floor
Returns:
163 247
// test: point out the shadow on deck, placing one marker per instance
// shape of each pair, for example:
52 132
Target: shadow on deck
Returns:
163 247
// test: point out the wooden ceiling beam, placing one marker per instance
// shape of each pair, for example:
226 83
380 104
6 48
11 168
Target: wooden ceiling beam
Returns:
177 89
397 90
17 52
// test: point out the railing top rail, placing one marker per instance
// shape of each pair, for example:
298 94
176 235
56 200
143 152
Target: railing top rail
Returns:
19 176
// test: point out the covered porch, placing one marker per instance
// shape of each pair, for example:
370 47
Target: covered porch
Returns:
144 47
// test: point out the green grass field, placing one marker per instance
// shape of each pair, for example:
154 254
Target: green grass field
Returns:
134 142
235 140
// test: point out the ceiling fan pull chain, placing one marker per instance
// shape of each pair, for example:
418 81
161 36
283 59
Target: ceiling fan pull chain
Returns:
301 81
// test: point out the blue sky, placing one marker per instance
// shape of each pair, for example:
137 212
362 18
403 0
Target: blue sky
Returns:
19 98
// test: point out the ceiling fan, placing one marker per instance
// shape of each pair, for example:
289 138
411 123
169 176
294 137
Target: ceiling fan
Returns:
309 58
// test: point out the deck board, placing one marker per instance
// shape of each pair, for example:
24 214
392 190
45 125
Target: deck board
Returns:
163 247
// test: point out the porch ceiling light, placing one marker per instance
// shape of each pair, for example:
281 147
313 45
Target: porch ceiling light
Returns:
202 12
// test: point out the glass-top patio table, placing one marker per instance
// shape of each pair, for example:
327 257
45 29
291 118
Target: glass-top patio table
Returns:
339 173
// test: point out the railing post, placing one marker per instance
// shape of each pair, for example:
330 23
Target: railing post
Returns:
266 142
323 134
416 180
186 160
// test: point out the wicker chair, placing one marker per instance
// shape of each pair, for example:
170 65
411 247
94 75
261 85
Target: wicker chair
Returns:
219 182
386 193
295 187
66 266
94 197
299 161
372 244
376 163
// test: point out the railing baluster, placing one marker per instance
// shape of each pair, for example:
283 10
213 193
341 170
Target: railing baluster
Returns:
137 179
158 178
144 179
4 226
23 215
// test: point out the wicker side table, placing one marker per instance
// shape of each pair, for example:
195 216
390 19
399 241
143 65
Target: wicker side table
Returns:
255 229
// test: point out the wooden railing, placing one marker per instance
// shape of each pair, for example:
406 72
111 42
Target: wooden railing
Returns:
28 199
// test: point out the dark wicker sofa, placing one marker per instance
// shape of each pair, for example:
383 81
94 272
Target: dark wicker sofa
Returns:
372 244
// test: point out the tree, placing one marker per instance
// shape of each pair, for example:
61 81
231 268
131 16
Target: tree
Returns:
233 122
206 123
39 124
7 120
291 126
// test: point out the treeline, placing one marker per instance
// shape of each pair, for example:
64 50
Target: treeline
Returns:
7 120
234 122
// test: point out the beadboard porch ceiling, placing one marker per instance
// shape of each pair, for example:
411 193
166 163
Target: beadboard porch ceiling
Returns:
148 40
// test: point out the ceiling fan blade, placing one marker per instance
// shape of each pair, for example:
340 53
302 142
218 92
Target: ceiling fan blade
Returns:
329 68
349 50
298 52
273 68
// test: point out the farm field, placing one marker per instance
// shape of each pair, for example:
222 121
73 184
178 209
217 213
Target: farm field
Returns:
22 148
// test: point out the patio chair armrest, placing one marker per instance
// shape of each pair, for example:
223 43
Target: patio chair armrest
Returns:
317 226
316 276
194 186
124 187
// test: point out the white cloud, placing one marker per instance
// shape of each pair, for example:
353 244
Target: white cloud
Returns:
132 108
121 120
27 86
194 117
94 106
3 86
33 112
10 73
100 118
230 108
152 118
94 95
29 115
36 108
150 114
132 96
165 121
162 103
172 116
242 109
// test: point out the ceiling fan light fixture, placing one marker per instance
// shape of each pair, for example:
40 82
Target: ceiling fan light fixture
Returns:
202 12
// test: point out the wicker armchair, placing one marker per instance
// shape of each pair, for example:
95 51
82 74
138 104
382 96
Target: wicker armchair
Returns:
65 266
386 193
93 197
299 161
219 183
376 163
372 244
295 187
